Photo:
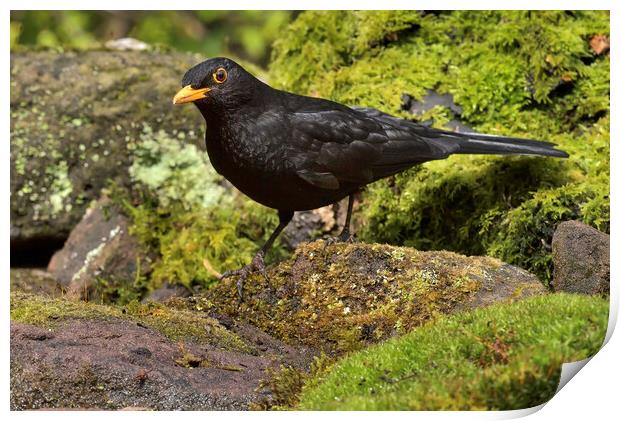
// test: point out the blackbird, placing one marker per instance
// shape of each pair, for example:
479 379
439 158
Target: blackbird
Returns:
293 152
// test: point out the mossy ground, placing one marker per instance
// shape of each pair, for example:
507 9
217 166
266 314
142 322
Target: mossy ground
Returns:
523 73
498 358
176 325
342 297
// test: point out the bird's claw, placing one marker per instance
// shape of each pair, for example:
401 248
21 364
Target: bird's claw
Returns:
256 265
344 237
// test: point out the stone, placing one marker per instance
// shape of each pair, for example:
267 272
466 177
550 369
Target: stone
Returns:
76 118
35 281
166 292
99 247
580 259
108 359
339 297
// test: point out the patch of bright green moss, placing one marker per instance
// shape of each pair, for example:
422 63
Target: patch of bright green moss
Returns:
193 244
342 297
498 358
523 73
176 325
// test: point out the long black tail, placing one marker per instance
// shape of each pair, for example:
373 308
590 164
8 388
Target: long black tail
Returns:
475 143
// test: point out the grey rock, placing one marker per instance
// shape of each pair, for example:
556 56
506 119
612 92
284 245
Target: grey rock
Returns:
580 259
167 291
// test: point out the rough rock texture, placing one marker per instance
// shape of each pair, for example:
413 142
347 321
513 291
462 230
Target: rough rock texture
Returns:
87 356
75 119
99 247
342 296
580 259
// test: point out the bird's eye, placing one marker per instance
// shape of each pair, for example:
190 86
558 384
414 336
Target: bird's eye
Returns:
220 75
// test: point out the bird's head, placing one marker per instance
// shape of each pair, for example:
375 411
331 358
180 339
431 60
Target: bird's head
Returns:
217 85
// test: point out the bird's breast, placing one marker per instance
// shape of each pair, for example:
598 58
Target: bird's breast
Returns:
263 171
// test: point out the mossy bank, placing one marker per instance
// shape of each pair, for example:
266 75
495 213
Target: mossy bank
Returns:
528 74
508 356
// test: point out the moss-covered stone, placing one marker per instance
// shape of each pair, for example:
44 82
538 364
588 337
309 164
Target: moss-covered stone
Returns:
341 297
523 73
76 118
507 356
173 323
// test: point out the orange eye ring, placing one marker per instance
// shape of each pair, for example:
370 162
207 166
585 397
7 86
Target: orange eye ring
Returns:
220 75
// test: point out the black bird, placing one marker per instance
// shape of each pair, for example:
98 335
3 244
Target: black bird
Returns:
293 152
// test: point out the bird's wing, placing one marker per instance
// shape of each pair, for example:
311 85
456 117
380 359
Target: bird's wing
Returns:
358 146
336 146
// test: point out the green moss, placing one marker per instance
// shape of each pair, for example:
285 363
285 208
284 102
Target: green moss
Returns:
498 358
522 73
193 243
342 297
175 324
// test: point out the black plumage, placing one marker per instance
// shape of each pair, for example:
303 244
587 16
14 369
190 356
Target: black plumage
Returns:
292 152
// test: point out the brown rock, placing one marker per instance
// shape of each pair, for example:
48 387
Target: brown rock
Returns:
344 296
580 259
99 247
114 363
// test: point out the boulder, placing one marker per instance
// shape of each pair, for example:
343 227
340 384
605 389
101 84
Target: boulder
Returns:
67 354
339 297
99 247
580 259
75 120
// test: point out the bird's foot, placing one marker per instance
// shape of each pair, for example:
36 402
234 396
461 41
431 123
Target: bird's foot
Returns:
256 265
346 237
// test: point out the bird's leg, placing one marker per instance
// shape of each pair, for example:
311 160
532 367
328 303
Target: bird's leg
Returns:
258 262
345 235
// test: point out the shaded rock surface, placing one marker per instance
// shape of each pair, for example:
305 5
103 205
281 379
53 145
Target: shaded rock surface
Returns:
99 247
101 359
342 296
580 259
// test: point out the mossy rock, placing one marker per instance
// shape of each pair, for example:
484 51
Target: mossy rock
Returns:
528 74
503 357
341 297
175 324
72 354
76 120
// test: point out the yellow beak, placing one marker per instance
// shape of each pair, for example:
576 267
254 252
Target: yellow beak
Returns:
189 94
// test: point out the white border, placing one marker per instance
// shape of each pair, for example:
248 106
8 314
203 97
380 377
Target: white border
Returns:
594 390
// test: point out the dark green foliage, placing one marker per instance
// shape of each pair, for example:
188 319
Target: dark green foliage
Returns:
520 73
503 357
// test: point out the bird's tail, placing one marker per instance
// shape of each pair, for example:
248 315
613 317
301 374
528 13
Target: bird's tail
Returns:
474 143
